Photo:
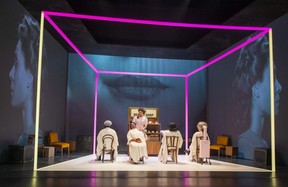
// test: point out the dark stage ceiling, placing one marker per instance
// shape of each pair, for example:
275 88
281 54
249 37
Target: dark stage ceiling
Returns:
96 37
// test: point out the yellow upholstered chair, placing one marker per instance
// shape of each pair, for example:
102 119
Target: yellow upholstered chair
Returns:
54 141
172 147
222 142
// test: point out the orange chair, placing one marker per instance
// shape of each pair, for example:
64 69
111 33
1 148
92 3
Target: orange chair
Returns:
53 141
222 142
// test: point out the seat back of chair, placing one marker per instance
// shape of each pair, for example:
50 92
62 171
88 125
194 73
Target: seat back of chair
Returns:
204 148
53 137
107 141
222 140
172 142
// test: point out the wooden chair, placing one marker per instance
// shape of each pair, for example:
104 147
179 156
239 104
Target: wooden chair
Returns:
172 147
107 141
54 141
222 142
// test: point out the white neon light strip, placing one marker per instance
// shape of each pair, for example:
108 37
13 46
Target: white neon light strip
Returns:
38 94
272 102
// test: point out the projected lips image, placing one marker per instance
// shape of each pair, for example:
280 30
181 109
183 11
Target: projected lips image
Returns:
135 87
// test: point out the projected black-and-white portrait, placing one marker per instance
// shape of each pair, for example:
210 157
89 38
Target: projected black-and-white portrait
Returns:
252 93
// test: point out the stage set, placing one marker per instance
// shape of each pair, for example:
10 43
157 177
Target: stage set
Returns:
88 163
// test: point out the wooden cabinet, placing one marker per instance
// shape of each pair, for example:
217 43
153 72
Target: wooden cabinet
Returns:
231 151
153 138
152 130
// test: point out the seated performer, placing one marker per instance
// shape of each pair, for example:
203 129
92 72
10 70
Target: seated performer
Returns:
137 144
107 130
172 131
193 155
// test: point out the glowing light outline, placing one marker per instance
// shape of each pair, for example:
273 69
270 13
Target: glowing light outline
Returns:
38 92
69 42
95 111
159 23
272 102
151 22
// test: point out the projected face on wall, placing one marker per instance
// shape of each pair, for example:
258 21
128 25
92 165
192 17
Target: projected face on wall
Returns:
252 91
23 74
261 93
21 77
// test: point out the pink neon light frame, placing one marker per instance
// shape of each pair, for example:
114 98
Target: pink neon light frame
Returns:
47 14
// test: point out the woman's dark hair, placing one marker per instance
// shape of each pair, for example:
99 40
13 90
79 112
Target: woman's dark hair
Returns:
142 109
28 33
252 61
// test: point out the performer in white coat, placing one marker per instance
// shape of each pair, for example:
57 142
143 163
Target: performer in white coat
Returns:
172 131
107 130
141 120
137 144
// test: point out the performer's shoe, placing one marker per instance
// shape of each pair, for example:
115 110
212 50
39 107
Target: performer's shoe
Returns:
131 161
99 158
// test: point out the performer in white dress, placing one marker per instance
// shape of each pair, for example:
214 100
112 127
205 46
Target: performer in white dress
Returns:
172 131
107 130
141 120
137 144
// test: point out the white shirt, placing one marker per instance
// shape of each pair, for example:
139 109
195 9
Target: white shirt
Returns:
141 122
137 150
107 130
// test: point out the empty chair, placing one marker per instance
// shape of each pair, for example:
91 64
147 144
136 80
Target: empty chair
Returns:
222 142
54 141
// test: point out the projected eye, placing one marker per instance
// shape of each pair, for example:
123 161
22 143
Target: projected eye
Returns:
135 87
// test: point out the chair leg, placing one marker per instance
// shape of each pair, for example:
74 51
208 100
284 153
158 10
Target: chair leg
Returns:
103 153
176 157
112 155
218 153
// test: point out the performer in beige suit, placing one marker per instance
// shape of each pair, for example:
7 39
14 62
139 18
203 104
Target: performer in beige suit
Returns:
107 130
172 131
137 144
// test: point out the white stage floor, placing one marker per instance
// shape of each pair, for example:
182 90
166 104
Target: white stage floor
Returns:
88 163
